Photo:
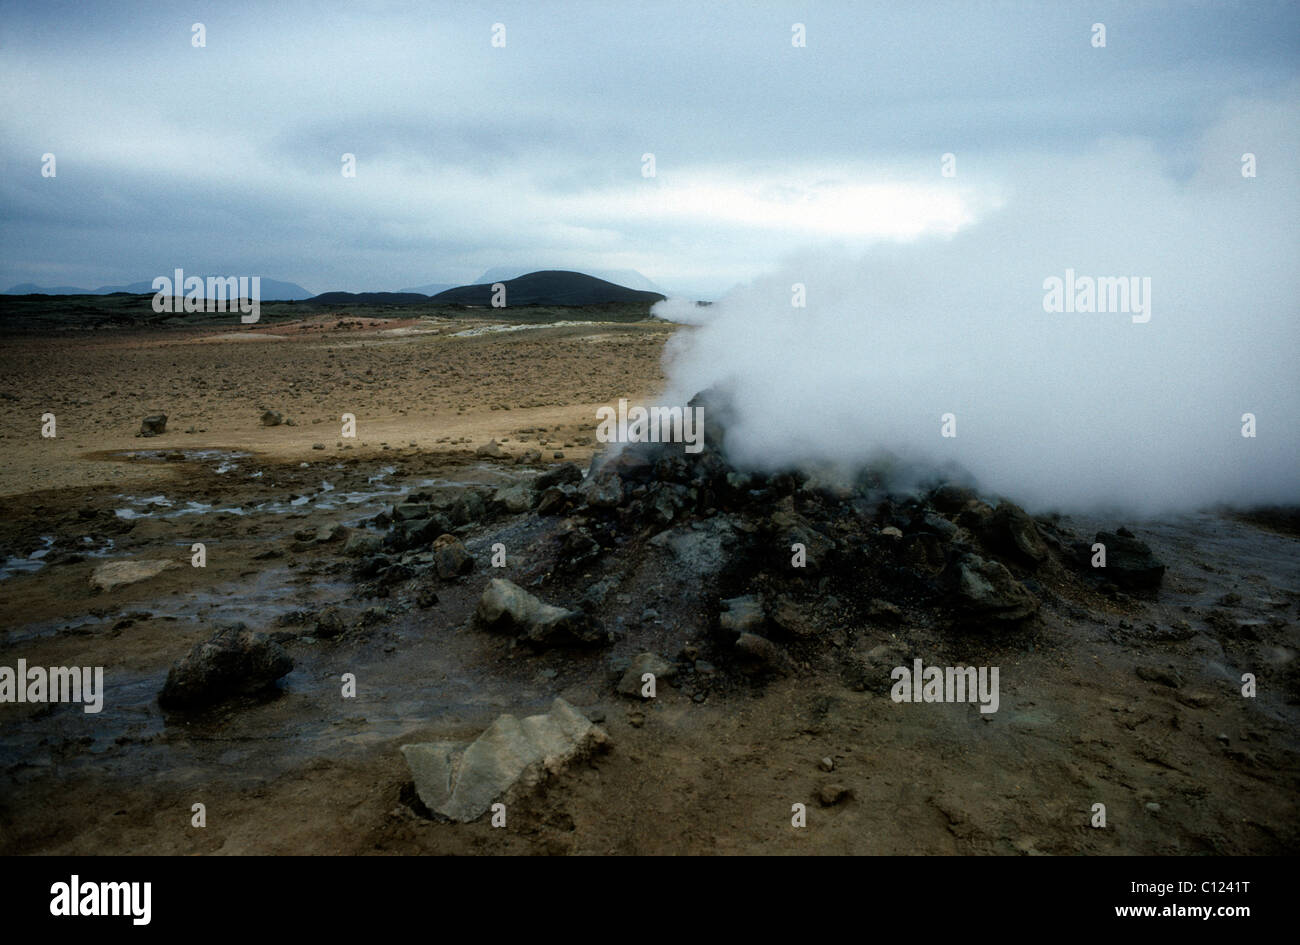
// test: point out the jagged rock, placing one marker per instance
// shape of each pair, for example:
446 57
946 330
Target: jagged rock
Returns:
371 566
741 615
952 498
513 499
1011 528
556 500
604 490
635 462
788 527
450 557
412 511
154 425
987 589
577 547
566 474
939 526
419 532
506 606
491 449
463 507
234 661
361 543
631 683
1129 562
976 516
462 781
596 594
115 574
664 502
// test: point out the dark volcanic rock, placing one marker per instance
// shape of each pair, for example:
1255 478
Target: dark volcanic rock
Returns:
154 425
1129 562
603 490
466 508
556 500
1011 529
577 548
951 498
566 474
411 511
512 499
419 533
234 661
361 543
450 557
987 589
787 527
634 463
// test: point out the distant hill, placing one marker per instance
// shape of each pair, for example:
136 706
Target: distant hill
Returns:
433 288
549 287
28 288
273 290
624 277
368 298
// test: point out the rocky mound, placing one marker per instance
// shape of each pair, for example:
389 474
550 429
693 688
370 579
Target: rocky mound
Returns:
234 661
779 567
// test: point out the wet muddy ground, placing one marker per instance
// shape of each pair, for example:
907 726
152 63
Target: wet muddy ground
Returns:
1130 701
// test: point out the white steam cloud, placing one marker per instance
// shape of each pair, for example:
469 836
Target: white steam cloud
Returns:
1054 409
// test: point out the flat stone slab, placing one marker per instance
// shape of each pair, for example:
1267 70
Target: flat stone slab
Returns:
115 574
463 780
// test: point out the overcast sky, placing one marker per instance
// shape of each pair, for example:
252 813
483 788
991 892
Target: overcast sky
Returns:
226 159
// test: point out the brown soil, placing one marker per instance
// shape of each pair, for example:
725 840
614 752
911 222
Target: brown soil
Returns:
1185 765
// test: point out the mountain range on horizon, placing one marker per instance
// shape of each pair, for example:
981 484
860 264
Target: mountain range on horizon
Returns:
273 290
547 287
543 291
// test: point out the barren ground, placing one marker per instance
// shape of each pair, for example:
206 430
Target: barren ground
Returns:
1183 766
